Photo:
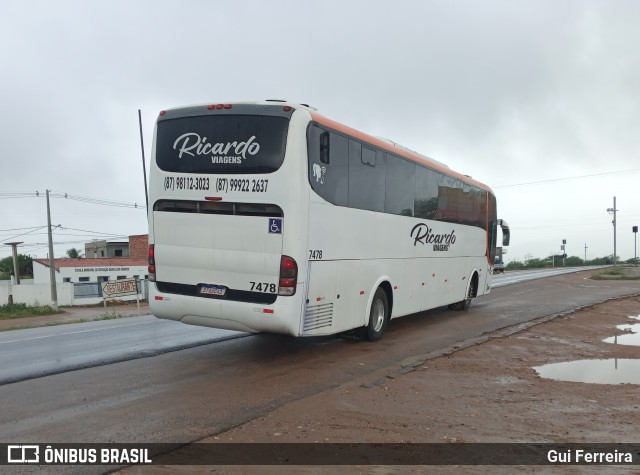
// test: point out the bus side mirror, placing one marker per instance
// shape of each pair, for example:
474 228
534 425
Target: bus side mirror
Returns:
324 147
506 234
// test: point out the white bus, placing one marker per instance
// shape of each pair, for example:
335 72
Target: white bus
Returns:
268 217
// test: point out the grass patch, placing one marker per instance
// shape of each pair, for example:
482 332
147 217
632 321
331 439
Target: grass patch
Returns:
108 316
21 310
618 273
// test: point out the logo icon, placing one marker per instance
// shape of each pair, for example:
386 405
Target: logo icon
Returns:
275 225
23 454
318 173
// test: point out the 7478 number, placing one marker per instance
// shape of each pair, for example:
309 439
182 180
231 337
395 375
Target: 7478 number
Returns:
263 287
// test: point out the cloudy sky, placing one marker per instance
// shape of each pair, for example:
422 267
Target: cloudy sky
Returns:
538 99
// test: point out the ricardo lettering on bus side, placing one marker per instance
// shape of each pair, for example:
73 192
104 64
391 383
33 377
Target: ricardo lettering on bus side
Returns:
423 234
234 152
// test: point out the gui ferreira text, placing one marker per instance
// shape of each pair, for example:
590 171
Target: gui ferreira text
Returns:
582 456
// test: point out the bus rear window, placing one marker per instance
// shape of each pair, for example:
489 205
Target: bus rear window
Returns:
224 144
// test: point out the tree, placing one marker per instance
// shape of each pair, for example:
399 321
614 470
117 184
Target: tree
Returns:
573 261
25 266
74 253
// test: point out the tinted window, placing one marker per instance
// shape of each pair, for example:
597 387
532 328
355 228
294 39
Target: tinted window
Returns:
426 193
480 205
493 227
366 177
449 198
466 205
329 178
399 189
348 172
229 144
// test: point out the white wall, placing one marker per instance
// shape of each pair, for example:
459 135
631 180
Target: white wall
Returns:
37 294
40 294
41 273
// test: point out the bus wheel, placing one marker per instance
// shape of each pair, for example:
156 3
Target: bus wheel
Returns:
378 316
463 304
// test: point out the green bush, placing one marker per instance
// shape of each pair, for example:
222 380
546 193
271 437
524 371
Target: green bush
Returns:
19 310
618 273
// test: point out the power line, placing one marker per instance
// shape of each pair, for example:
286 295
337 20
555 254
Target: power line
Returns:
83 199
22 234
20 229
34 246
98 201
94 232
16 194
552 180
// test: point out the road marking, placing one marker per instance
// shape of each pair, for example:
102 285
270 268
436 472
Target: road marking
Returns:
73 333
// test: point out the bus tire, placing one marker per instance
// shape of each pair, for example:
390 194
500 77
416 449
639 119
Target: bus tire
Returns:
378 316
464 305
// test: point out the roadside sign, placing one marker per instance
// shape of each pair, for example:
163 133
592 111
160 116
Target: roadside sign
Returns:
119 288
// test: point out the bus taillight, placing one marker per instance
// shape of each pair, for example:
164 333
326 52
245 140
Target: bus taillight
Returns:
152 263
288 276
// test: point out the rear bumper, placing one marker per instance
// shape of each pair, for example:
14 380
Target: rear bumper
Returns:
283 316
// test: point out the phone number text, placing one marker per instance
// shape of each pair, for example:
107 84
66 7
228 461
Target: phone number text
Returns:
185 183
242 185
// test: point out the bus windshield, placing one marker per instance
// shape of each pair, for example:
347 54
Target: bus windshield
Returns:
222 144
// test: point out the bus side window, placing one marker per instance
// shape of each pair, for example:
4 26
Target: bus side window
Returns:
480 204
426 194
367 170
399 186
449 198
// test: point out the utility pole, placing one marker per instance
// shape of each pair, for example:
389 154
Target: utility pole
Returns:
635 244
144 166
613 211
585 253
52 263
14 252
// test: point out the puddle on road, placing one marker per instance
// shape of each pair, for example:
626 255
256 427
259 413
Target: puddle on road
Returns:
630 334
612 371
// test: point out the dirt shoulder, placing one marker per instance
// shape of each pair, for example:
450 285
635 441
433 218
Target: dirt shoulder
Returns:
487 391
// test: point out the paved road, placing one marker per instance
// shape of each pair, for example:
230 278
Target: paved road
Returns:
183 396
38 352
515 277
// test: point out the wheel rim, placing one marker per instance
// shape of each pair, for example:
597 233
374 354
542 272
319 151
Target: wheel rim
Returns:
377 315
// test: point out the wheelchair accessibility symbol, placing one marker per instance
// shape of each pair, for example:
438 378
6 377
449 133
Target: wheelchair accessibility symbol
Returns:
275 225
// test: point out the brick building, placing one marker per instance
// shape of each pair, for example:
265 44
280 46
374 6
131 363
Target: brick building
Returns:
103 261
137 246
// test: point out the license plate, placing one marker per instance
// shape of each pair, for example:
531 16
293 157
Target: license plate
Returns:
213 290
